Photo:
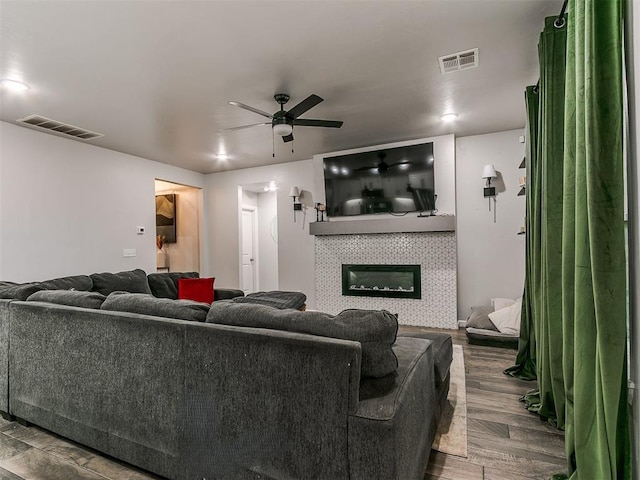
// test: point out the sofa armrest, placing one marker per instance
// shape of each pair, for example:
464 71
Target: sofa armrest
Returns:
285 408
390 435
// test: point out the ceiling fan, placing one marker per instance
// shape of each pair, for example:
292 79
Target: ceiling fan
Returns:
283 121
382 167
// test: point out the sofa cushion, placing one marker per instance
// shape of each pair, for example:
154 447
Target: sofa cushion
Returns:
134 281
19 291
147 304
165 285
375 329
277 299
73 298
75 282
196 289
442 347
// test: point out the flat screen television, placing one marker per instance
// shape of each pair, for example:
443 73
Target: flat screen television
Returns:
386 181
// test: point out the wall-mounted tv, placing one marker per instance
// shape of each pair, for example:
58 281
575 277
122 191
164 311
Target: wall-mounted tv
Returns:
386 181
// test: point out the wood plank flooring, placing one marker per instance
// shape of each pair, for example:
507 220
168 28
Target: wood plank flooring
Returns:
505 442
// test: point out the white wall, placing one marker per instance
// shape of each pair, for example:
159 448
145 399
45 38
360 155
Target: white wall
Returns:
490 254
267 244
71 208
295 245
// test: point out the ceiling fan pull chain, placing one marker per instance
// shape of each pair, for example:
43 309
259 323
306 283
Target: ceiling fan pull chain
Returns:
273 144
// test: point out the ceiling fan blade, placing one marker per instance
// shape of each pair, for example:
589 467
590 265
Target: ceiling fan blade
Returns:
303 122
307 104
247 126
287 138
251 109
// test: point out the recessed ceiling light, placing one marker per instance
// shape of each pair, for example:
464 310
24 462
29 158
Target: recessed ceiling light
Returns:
449 117
14 85
222 156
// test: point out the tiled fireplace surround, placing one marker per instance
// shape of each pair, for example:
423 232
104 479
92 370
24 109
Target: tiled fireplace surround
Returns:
435 251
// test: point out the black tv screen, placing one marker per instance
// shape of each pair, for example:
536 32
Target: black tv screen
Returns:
391 180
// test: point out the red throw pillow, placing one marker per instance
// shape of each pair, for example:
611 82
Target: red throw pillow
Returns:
197 289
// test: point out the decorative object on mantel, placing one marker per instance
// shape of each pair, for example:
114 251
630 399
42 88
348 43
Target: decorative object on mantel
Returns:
297 206
162 257
321 208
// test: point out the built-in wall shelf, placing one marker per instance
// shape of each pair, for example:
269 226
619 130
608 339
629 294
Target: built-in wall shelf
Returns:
435 223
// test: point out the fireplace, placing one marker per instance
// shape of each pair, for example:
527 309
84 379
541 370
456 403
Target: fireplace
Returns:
391 281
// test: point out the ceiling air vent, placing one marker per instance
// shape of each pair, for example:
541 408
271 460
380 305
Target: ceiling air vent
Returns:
45 123
459 61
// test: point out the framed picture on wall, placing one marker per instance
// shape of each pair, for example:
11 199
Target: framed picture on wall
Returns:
166 216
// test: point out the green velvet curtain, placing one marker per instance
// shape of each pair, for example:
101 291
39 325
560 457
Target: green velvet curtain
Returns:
593 247
546 301
525 367
574 306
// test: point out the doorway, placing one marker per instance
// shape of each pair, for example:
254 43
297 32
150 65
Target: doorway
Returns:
258 237
180 252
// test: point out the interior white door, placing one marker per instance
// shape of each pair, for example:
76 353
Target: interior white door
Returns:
248 251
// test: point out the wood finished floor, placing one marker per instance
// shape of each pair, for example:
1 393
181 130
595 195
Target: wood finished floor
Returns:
505 442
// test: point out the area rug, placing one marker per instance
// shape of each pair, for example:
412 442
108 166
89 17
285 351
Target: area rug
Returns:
451 437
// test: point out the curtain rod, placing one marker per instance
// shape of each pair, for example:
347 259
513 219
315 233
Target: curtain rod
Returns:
559 23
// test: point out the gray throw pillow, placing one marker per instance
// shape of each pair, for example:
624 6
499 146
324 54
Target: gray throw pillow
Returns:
134 281
479 318
159 307
73 298
165 285
20 291
376 330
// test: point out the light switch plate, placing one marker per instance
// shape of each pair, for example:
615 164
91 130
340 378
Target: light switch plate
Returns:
129 252
140 230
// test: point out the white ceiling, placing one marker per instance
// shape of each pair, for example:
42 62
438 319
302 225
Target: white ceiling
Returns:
155 76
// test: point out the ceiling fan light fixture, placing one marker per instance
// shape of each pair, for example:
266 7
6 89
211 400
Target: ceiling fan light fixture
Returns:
282 129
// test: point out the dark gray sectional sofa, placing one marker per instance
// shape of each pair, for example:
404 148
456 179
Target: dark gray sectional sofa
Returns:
207 400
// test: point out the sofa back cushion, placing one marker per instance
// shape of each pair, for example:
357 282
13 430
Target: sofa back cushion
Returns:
74 282
134 281
73 298
19 291
165 285
376 330
159 307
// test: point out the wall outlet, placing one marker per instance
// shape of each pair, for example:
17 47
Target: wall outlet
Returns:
140 230
129 252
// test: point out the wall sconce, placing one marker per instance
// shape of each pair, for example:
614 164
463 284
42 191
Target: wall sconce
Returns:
489 172
297 206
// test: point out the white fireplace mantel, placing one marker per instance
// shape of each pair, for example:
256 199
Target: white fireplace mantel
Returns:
386 224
